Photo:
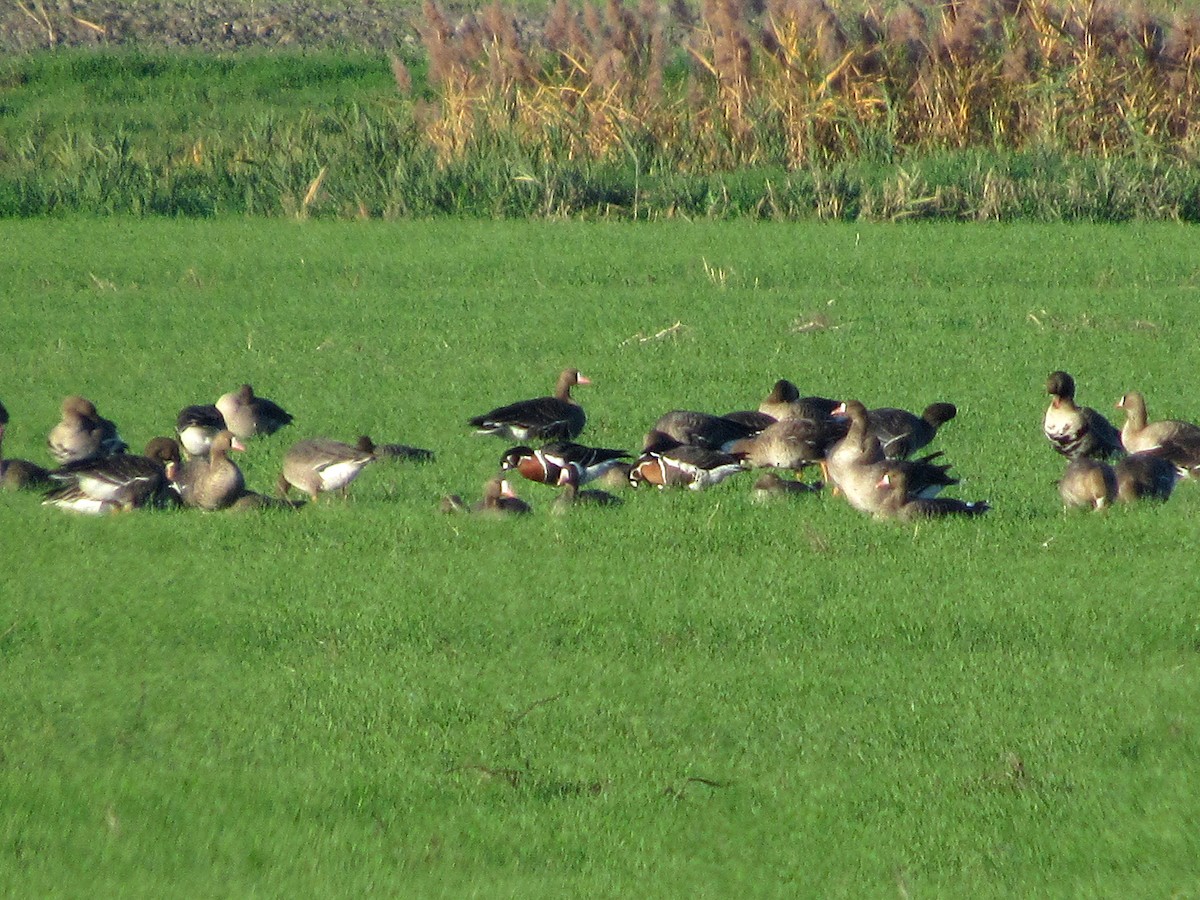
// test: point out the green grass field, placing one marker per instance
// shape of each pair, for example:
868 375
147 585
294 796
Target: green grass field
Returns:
690 695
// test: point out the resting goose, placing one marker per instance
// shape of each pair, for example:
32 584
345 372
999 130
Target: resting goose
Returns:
665 462
124 481
1076 430
770 485
1088 483
320 465
698 429
247 415
216 482
1145 476
1139 436
901 433
789 444
546 464
898 503
18 474
499 499
556 418
197 426
83 433
784 402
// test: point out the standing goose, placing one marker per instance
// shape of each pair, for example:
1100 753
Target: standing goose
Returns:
247 415
556 418
18 474
216 482
547 464
1140 436
1088 483
124 481
197 426
899 504
319 465
901 433
1145 476
1076 430
665 462
83 433
785 402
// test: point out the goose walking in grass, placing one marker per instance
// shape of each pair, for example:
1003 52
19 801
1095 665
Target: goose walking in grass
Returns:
1075 430
1167 436
321 465
197 426
554 418
214 482
902 433
1145 476
83 433
547 463
667 463
18 474
124 481
900 504
1088 483
248 415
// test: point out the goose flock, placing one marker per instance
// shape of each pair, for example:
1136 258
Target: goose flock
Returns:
867 456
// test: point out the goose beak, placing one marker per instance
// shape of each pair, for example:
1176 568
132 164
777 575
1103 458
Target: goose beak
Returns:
582 379
237 445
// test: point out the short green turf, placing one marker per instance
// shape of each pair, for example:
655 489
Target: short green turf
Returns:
691 695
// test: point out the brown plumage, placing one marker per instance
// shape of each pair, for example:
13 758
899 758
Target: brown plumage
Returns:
1145 476
570 495
320 465
216 482
1088 483
784 402
698 429
788 444
18 474
83 433
900 504
901 433
124 481
554 418
770 484
1075 430
1139 435
248 415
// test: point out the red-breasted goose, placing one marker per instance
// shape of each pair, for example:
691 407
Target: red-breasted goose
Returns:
124 481
248 415
901 504
1145 476
216 482
83 433
1138 435
18 474
665 462
546 464
571 495
1088 483
1074 430
320 465
699 429
901 433
784 402
556 418
197 426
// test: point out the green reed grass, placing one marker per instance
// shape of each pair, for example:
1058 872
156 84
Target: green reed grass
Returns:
690 694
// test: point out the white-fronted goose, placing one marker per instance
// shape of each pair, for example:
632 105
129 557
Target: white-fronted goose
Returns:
571 495
83 433
666 462
216 482
784 402
901 433
546 464
698 429
752 420
556 418
1145 476
124 481
18 474
320 465
197 426
900 504
1074 430
1139 435
1088 483
248 415
788 444
770 485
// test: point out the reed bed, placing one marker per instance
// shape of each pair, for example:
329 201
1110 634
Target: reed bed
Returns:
978 109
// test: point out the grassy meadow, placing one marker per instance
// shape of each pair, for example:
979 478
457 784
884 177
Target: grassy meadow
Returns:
690 695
